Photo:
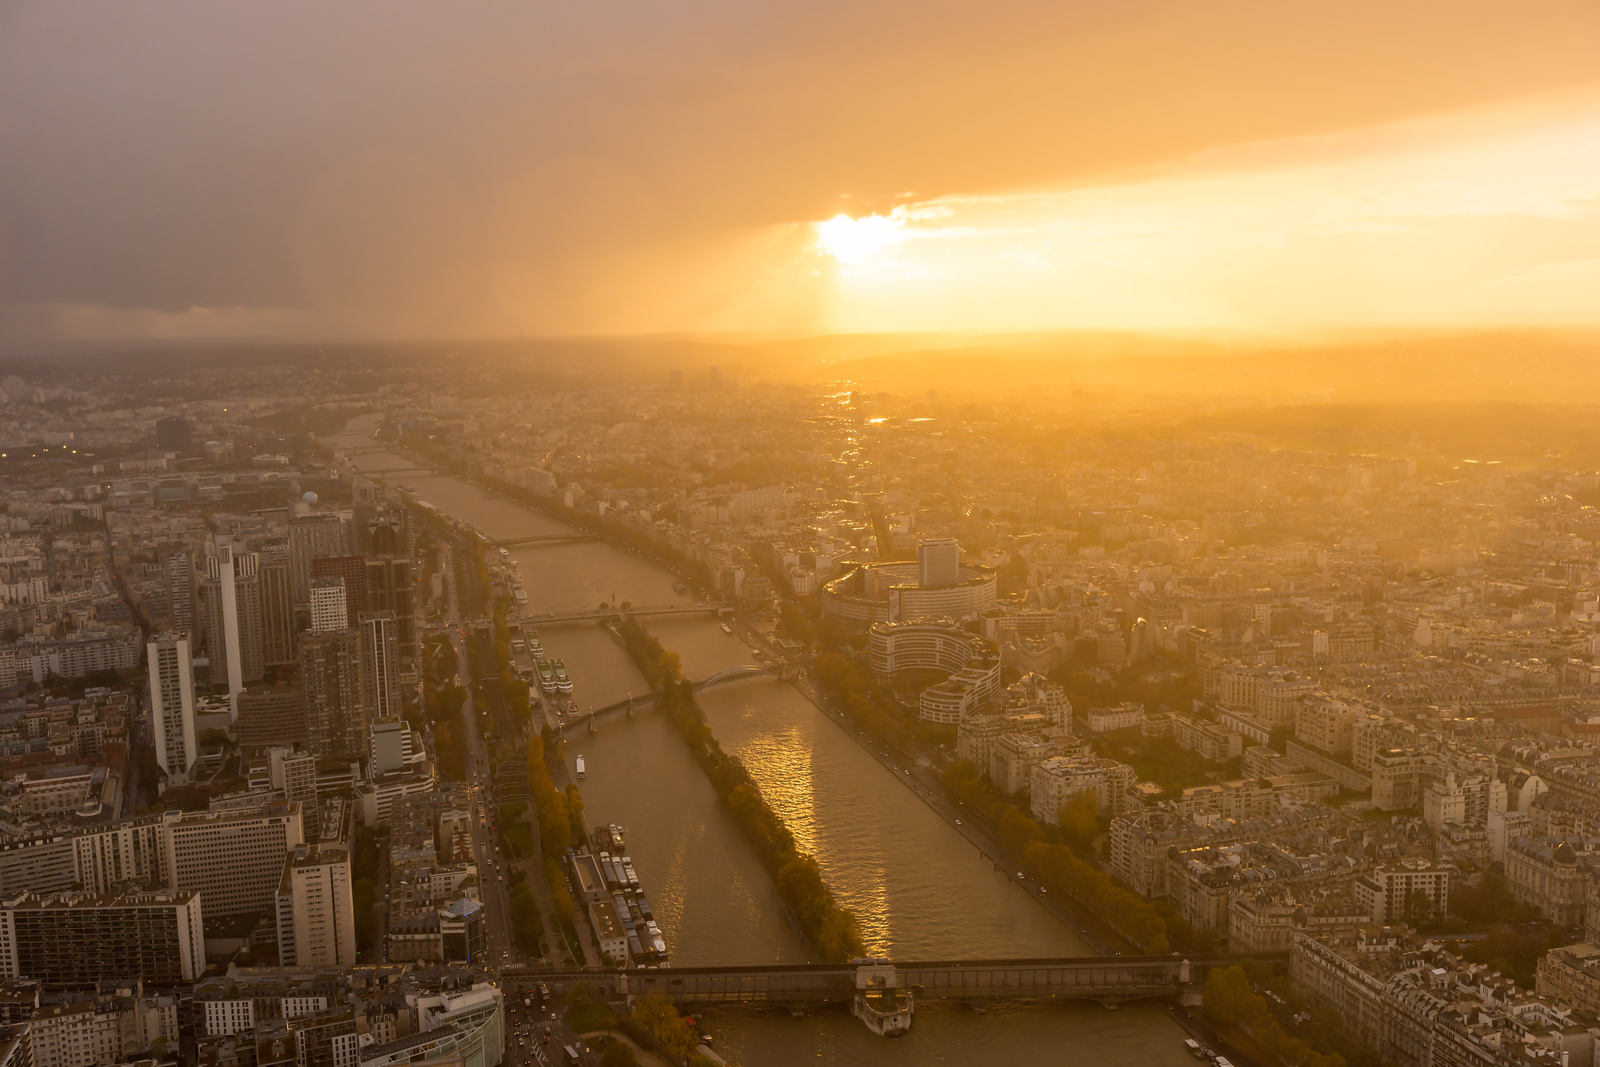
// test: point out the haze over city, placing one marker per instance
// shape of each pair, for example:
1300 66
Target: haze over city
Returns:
627 535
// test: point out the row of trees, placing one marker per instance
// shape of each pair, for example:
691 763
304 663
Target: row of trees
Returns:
443 701
830 928
1125 911
556 829
1231 999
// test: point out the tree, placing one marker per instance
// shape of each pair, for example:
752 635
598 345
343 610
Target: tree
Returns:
619 1054
656 1013
1079 819
1229 998
1419 906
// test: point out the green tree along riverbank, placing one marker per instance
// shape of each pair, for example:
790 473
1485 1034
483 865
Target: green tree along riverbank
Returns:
832 930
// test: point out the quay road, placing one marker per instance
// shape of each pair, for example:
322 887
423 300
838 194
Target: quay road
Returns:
492 865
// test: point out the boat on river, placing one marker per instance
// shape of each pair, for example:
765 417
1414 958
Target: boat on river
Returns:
563 682
547 677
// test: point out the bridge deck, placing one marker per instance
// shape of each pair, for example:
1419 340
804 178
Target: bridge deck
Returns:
1102 978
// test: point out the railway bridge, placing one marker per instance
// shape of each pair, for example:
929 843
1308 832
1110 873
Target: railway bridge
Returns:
1108 980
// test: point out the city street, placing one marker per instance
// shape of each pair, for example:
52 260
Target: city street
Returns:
492 864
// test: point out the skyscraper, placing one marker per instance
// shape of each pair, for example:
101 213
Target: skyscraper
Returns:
249 609
330 675
938 563
380 665
391 586
312 536
180 590
172 705
277 606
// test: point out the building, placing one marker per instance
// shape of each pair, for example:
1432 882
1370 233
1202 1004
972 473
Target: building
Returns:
272 715
314 908
293 773
467 1025
312 537
75 940
1399 777
380 667
938 563
392 586
1553 875
1571 975
83 1033
1325 724
351 573
1125 716
331 677
892 592
390 748
232 859
172 706
1465 802
1206 739
1505 827
277 607
1387 893
329 607
1057 780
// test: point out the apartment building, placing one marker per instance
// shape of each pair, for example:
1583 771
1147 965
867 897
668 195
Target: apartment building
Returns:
74 940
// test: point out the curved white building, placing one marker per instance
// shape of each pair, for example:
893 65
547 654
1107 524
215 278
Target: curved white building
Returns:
891 592
971 663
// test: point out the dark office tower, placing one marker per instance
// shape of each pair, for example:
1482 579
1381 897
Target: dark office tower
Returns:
380 665
272 715
391 586
174 434
336 707
384 536
247 602
311 536
277 606
353 569
181 591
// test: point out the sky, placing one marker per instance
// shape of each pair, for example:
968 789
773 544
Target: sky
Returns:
189 169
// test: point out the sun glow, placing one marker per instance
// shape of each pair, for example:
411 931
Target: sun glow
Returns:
852 240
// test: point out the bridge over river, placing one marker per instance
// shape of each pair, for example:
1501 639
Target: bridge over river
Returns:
1109 980
705 607
627 706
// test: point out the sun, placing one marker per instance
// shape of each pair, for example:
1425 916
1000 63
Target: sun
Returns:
852 240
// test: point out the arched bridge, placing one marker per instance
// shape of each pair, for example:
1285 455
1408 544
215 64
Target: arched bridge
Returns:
626 707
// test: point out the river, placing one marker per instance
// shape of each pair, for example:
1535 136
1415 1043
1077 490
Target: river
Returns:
920 890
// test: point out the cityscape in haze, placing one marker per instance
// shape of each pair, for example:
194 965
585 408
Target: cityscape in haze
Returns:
732 536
